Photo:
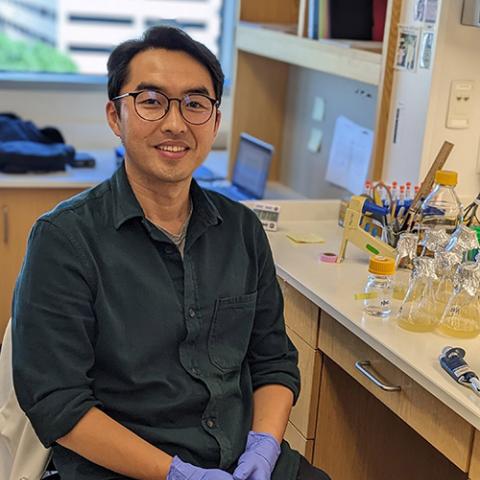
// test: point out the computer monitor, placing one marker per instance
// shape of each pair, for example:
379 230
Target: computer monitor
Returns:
252 165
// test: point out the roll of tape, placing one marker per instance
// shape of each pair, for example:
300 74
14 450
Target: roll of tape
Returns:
328 257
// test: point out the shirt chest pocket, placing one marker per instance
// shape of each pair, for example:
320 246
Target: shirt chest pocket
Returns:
230 330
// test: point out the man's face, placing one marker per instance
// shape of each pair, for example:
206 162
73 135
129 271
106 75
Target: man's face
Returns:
170 149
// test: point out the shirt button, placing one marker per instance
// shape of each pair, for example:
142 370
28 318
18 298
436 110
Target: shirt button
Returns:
196 371
210 423
169 250
191 312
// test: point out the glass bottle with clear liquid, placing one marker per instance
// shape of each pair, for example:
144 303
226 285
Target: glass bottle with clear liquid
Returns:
378 290
441 208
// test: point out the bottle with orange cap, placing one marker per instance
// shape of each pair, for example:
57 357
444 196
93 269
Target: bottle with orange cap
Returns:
442 209
378 290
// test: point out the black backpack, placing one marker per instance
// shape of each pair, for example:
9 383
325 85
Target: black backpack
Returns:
25 148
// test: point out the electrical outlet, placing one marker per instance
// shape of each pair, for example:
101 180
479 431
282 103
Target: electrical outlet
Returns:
460 105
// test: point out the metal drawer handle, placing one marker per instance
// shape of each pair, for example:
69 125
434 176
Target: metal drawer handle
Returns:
5 224
362 368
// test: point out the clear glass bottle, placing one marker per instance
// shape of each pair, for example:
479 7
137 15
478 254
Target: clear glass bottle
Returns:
462 314
378 290
442 208
417 312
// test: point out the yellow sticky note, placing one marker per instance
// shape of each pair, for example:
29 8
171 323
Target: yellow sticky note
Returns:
365 296
305 238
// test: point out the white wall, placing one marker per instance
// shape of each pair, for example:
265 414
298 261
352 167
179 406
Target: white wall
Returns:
424 95
302 170
411 98
459 60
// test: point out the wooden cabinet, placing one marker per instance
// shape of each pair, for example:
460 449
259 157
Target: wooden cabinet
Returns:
354 429
301 318
475 463
19 208
432 419
359 438
264 56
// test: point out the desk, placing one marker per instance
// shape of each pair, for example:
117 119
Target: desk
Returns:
346 424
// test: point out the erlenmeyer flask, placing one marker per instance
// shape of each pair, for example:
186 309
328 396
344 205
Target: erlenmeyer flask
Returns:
446 264
417 312
462 314
406 252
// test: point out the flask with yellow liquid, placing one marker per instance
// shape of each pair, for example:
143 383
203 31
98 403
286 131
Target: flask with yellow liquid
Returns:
461 317
417 312
446 264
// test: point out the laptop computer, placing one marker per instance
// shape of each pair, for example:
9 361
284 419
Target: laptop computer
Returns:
250 173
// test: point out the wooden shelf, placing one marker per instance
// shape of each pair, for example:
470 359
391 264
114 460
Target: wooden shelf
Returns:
322 56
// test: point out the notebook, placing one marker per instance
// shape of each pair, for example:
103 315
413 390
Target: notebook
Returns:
250 173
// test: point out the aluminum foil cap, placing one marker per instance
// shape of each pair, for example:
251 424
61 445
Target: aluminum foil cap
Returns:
462 240
467 278
435 239
446 263
407 246
424 267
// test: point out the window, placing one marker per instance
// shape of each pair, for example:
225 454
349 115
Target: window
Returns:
76 36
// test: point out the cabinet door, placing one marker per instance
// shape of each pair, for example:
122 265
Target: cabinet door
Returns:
432 419
475 463
359 438
301 315
19 208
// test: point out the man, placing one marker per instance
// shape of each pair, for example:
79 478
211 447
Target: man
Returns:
148 333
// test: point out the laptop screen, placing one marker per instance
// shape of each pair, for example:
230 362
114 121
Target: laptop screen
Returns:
252 165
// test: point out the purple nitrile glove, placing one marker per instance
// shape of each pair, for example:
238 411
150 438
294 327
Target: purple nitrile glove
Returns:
259 458
180 470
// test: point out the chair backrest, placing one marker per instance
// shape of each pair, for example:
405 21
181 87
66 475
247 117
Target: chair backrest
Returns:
21 453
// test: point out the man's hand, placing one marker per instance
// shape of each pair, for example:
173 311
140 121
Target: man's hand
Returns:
185 471
259 458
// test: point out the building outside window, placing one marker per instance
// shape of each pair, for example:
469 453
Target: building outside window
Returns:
76 36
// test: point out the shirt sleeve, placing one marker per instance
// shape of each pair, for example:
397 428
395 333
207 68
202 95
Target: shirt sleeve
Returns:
272 356
53 330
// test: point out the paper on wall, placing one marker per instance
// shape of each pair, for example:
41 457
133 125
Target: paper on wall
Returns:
349 155
315 141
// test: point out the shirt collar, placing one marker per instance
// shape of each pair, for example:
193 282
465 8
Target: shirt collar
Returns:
126 206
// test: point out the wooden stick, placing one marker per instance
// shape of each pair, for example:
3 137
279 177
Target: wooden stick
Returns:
427 184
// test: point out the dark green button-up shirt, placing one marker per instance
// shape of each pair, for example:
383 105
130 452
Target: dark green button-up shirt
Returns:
107 314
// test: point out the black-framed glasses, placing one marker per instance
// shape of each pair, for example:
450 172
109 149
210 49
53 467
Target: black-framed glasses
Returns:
152 105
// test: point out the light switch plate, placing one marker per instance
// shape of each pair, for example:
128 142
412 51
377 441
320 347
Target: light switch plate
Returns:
460 105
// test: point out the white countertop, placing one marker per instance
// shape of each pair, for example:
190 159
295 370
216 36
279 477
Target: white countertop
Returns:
88 177
70 178
81 178
332 287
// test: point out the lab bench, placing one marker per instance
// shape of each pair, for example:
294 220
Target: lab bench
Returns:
428 428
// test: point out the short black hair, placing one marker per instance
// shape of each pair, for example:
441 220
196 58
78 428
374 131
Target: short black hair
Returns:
168 38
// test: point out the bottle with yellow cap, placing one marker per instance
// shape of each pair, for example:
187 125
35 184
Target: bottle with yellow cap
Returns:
441 209
378 290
